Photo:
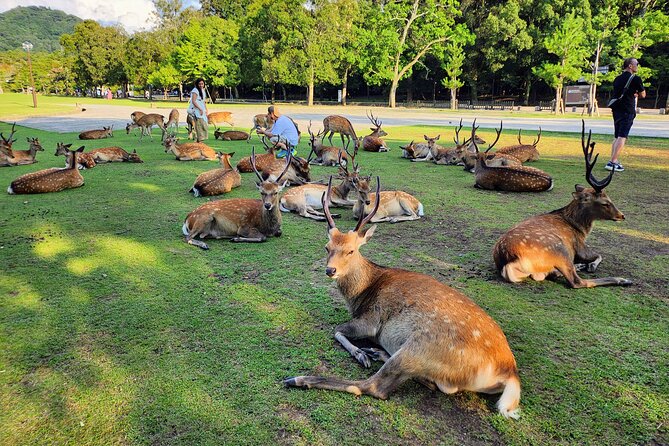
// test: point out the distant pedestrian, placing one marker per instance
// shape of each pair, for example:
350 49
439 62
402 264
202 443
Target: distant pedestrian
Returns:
627 87
197 109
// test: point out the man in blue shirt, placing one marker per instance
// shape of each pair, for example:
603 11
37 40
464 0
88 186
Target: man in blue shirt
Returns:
283 134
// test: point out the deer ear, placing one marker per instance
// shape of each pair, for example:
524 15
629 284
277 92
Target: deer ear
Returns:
67 146
134 151
367 234
426 138
437 137
81 149
231 154
579 188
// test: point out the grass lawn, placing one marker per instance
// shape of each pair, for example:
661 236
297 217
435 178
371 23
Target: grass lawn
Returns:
114 331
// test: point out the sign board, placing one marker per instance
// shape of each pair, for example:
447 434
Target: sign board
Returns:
576 94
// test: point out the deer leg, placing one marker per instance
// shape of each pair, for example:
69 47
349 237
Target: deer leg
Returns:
574 281
355 329
316 215
587 260
249 235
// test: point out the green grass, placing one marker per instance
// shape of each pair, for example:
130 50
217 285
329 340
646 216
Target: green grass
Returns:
114 331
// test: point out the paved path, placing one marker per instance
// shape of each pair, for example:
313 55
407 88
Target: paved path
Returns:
97 116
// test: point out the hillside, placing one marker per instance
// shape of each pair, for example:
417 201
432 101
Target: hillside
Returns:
40 25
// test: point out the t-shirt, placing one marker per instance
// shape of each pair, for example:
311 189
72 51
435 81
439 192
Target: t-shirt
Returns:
626 103
200 102
284 127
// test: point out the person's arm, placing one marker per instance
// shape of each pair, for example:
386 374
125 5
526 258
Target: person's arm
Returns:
641 91
193 100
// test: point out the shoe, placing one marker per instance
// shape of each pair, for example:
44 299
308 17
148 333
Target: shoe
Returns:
618 167
609 166
282 153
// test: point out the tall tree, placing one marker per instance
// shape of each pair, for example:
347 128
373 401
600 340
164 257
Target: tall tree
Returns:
603 24
453 60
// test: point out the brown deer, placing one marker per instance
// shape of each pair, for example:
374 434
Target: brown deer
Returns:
297 173
262 161
146 123
552 244
217 181
189 151
306 199
523 152
428 331
395 205
238 219
114 155
373 141
190 126
105 132
23 157
261 121
49 180
231 135
173 120
6 152
435 153
135 116
508 178
325 155
84 160
218 118
457 154
338 124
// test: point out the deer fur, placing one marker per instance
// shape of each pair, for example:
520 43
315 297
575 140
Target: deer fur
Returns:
173 120
218 118
373 141
146 123
84 160
325 155
217 181
231 135
415 150
428 331
136 115
6 152
23 157
523 152
261 121
553 244
395 206
338 124
105 132
49 180
189 151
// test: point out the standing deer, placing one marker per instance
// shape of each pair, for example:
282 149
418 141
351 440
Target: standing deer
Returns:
395 205
550 244
190 151
105 132
231 135
22 157
218 118
373 141
261 121
217 181
338 124
428 331
523 152
325 155
173 120
146 123
135 116
239 219
49 180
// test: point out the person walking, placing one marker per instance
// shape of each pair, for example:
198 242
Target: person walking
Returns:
197 109
283 134
627 87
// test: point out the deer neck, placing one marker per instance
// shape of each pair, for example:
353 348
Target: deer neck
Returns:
270 221
342 190
578 216
357 285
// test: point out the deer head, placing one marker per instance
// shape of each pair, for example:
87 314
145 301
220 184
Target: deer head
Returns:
6 143
269 190
377 131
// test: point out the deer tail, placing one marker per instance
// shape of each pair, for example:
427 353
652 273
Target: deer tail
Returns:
510 399
185 229
420 209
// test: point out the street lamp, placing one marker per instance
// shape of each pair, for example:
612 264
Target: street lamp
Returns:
29 46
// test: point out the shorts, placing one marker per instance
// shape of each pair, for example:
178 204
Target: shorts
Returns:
622 123
201 130
278 138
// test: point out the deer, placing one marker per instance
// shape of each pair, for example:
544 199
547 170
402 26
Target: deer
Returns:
114 155
523 152
84 160
436 153
305 200
261 120
231 135
373 141
136 115
297 173
552 244
23 157
146 122
173 120
54 179
395 206
415 150
508 178
325 155
105 132
217 181
427 331
239 219
6 152
190 151
338 124
190 126
462 150
262 161
218 118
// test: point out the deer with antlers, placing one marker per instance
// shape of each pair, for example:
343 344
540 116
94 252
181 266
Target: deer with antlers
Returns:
217 181
373 141
190 151
22 157
508 178
84 160
6 152
395 205
105 132
415 150
325 155
523 152
263 161
338 124
428 331
552 244
50 180
239 219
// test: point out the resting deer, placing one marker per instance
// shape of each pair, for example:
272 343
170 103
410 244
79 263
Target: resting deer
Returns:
49 180
436 153
146 123
523 152
325 155
23 157
231 135
84 160
297 173
173 120
218 118
338 124
508 178
189 151
373 141
238 219
553 244
217 181
6 152
395 205
457 154
260 121
262 161
306 199
114 155
428 331
105 132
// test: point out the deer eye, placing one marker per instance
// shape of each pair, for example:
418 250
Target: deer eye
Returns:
327 249
349 253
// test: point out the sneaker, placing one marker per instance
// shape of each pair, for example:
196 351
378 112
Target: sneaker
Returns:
282 153
614 166
609 166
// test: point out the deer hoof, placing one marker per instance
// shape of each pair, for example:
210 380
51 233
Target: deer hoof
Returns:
624 282
362 358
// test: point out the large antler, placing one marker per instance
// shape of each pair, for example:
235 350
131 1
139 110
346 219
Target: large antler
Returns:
473 137
325 201
364 220
538 138
499 132
253 163
289 157
457 133
374 120
8 141
588 149
352 156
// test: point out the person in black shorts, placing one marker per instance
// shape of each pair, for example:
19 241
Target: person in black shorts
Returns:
624 110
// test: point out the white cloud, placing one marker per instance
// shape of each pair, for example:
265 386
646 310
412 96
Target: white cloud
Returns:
133 15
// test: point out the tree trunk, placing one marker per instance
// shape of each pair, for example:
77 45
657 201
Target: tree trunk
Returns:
410 89
181 91
343 87
454 98
393 93
273 95
236 92
285 95
310 88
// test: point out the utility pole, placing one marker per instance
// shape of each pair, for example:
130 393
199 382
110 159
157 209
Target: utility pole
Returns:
29 46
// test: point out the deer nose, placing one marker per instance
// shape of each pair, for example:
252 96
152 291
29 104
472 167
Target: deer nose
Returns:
367 201
330 271
268 206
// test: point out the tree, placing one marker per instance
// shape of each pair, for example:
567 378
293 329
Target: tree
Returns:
166 77
567 43
603 25
453 61
144 54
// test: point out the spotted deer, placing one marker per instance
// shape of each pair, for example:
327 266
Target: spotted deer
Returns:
261 121
552 244
427 331
114 155
218 118
105 132
373 141
217 181
338 124
136 115
508 178
231 135
239 219
395 205
457 154
49 180
173 120
523 152
324 155
84 160
146 123
262 161
23 157
297 173
189 151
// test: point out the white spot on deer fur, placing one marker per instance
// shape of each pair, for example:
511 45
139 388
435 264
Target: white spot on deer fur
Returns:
476 334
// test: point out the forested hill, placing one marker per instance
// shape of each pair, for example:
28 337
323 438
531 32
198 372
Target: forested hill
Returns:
37 24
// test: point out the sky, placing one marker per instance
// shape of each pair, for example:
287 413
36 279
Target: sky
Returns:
133 15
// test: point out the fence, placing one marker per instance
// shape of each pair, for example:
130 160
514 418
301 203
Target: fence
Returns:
487 105
545 105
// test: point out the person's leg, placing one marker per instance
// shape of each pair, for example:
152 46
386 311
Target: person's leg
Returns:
201 129
618 145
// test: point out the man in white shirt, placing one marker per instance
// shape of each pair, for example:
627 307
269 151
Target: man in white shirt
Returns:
284 133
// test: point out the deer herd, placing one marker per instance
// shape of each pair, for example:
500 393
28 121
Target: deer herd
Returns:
426 331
